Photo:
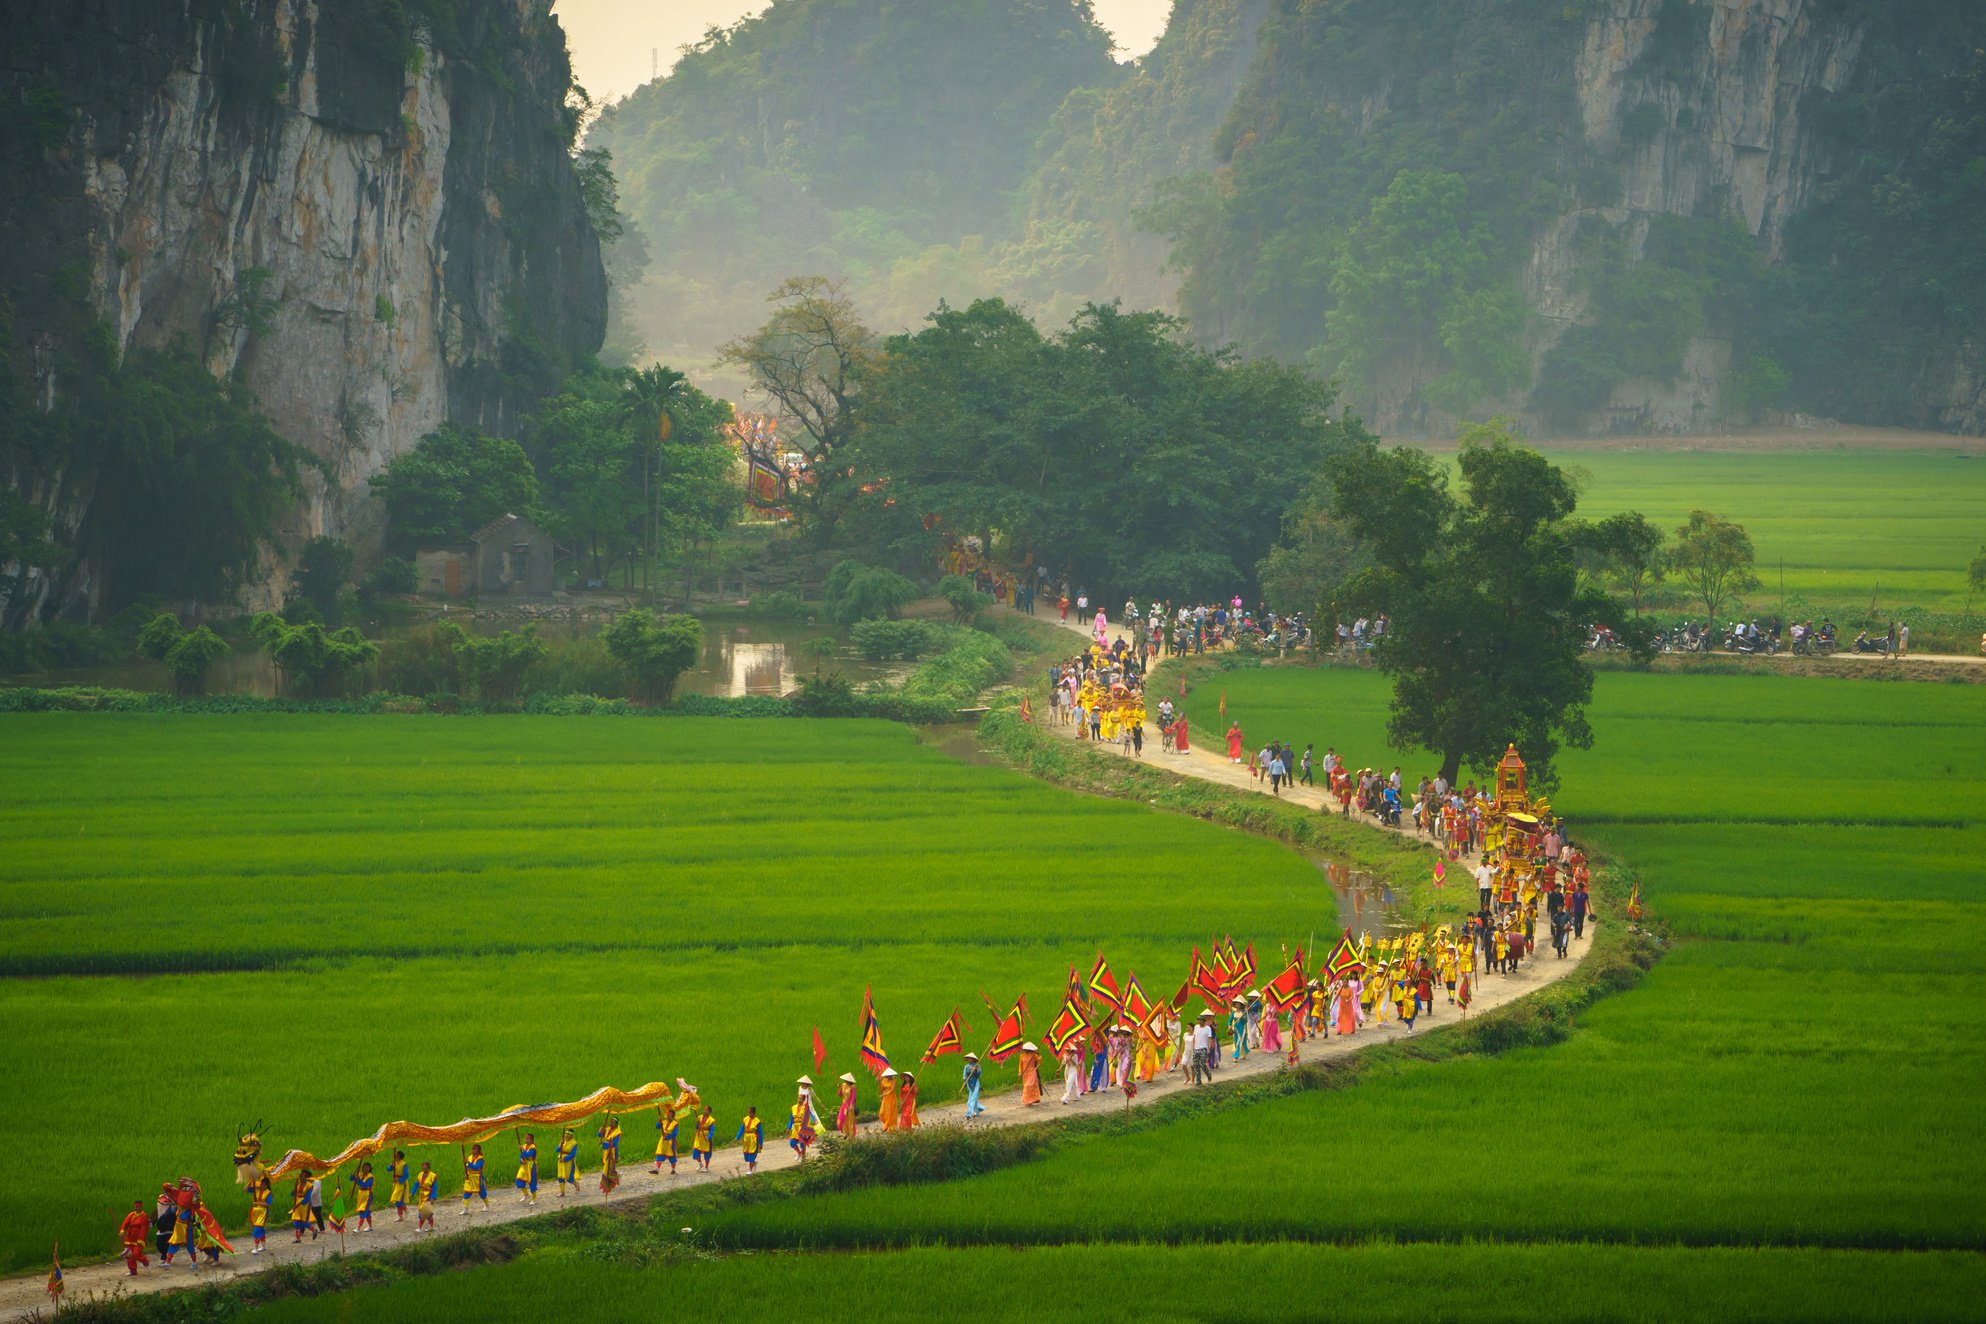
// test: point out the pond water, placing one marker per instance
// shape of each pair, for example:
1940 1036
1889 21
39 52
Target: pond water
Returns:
739 657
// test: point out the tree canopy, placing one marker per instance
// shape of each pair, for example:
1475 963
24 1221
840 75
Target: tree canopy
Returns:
1115 450
1486 618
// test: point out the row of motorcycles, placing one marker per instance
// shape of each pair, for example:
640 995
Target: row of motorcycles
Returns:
1803 639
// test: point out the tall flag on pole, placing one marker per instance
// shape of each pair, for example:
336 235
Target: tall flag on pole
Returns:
1440 871
1241 969
820 1050
1345 957
1071 1025
55 1287
873 1056
1104 984
1027 710
1008 1034
1223 705
1135 1000
949 1039
1285 989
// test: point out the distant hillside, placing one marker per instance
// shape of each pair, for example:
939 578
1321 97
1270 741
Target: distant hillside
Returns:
1602 216
838 137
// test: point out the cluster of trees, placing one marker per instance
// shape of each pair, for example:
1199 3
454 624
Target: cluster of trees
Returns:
1491 590
627 468
1115 449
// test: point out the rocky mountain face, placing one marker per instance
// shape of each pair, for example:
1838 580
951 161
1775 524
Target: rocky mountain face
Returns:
1605 215
367 216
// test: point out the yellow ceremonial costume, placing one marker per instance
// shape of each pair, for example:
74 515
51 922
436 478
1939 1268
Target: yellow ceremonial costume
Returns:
424 1184
397 1170
887 1110
568 1161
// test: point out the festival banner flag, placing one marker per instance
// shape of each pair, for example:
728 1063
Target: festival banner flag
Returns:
949 1039
1285 989
1440 871
820 1050
1222 968
1179 998
1135 1000
873 1056
55 1285
1071 1025
1208 981
1182 687
1027 710
1008 1035
1104 984
1223 705
1243 968
1344 957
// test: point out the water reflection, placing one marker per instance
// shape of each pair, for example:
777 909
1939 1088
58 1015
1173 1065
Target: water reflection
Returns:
1365 903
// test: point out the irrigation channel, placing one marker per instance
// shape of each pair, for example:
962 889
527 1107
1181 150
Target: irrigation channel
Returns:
1363 902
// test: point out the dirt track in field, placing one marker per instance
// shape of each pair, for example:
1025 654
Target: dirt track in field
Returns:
22 1295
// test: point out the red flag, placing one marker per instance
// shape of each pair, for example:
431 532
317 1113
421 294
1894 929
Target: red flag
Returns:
1027 710
1182 687
820 1050
873 1056
1008 1035
1179 998
1223 705
1135 1000
1242 968
1440 871
949 1039
1222 971
1285 989
1104 984
1071 1025
1344 957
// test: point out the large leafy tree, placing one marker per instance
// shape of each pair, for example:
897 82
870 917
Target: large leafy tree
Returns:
615 489
1116 450
454 481
1487 618
1713 557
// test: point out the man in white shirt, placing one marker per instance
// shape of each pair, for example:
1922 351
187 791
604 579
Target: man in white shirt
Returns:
1485 879
1204 1048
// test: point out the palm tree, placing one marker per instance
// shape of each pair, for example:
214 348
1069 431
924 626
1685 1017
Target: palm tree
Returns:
647 399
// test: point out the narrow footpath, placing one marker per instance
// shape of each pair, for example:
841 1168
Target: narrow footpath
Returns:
22 1295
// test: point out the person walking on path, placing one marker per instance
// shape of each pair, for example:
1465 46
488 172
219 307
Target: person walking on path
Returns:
1030 1074
844 1117
972 1105
1234 743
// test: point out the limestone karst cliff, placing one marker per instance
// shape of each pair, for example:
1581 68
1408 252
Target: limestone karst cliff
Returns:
363 211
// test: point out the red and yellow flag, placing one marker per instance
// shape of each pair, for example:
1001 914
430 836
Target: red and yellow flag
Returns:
1102 983
949 1039
1008 1035
1135 1001
1344 958
1286 989
873 1056
1071 1025
820 1050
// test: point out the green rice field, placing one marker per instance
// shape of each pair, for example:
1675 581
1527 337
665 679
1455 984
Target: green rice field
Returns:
1845 526
1777 1122
1254 1282
332 922
1817 1002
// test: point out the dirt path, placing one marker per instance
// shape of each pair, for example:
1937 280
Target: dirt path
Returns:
22 1295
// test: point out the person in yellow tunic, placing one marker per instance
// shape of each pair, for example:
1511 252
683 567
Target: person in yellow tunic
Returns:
566 1162
527 1169
800 1121
610 1154
886 1111
666 1126
396 1170
1371 997
1450 963
363 1183
258 1212
1030 1074
473 1185
907 1112
299 1211
751 1135
1148 1055
424 1183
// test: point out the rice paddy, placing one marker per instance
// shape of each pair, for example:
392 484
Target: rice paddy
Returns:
331 922
1843 527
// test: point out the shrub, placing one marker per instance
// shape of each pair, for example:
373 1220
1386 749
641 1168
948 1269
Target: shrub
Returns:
495 666
312 661
967 601
394 575
187 654
883 640
856 592
654 652
782 606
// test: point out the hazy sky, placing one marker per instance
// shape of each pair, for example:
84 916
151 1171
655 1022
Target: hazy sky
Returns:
611 40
